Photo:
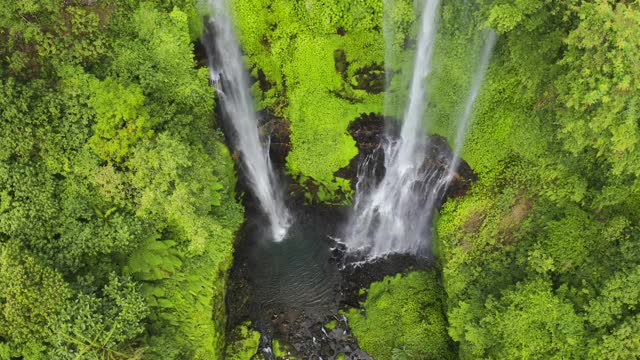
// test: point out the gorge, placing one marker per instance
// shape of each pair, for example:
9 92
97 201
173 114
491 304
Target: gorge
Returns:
319 179
290 288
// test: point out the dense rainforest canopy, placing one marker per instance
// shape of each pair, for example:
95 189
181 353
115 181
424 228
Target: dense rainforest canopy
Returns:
118 204
117 194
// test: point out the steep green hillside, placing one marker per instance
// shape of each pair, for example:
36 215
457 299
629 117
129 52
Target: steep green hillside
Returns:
536 256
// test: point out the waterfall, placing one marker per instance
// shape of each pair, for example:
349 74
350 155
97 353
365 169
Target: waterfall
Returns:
394 215
389 217
463 122
229 76
389 34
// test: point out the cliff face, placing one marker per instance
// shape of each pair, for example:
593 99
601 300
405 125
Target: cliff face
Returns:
368 131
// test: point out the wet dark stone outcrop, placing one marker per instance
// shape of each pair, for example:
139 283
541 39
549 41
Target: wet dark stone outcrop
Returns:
200 54
370 78
277 131
369 131
360 275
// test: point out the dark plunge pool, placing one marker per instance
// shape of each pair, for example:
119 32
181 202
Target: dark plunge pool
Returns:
299 271
291 290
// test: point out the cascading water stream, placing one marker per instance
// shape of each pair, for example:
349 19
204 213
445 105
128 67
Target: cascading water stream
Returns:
393 216
463 122
444 178
390 217
228 73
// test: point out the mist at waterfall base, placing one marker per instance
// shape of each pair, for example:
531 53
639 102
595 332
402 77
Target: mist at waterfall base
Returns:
394 214
390 216
227 72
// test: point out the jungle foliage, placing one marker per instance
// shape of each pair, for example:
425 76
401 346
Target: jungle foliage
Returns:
319 65
540 258
117 208
403 318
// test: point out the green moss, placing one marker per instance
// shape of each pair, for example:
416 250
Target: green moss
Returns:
318 117
311 70
279 350
244 343
403 314
331 325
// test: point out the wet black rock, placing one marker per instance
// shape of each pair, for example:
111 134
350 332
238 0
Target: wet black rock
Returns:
277 132
369 131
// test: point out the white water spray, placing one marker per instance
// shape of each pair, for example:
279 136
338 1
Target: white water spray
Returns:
228 73
394 216
389 217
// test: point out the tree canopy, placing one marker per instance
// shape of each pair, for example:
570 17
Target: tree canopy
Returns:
118 196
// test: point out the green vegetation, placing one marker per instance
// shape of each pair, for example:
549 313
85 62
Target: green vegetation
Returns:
117 212
331 325
403 318
117 209
532 255
243 343
280 350
320 65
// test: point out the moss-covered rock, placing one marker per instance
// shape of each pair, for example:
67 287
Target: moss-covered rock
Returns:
242 343
403 315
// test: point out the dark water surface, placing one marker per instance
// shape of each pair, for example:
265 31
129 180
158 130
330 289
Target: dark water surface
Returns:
298 271
290 290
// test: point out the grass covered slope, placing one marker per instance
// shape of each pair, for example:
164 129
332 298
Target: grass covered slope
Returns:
403 318
117 209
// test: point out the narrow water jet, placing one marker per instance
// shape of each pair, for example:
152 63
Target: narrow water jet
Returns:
444 178
389 217
463 122
227 72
